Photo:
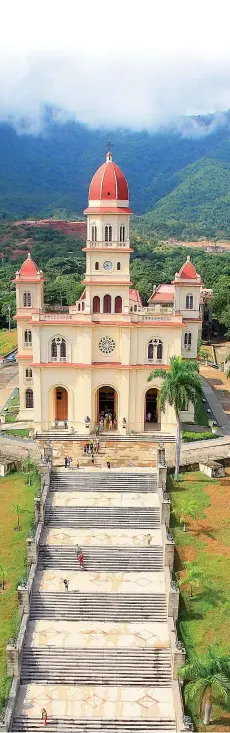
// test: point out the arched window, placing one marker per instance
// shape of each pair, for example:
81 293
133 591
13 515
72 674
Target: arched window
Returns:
28 373
96 304
58 349
107 304
122 233
155 350
27 299
118 265
118 304
159 350
94 233
189 301
79 306
83 305
108 233
150 350
29 398
188 339
96 265
27 339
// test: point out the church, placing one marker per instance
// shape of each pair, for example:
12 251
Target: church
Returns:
89 367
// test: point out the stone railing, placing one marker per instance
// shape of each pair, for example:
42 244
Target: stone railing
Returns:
14 649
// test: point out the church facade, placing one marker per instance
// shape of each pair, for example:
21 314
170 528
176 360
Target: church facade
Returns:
90 366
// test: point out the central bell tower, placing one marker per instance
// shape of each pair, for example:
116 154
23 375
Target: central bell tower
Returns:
107 278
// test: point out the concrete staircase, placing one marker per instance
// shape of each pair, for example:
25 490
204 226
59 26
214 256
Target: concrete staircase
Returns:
103 517
110 559
97 666
98 606
82 725
119 680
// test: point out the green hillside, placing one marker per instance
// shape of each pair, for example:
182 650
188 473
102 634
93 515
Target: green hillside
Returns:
198 206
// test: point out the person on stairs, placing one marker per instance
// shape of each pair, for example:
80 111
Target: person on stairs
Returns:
108 461
66 584
44 716
81 560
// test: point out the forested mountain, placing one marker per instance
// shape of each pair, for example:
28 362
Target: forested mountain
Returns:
184 182
198 206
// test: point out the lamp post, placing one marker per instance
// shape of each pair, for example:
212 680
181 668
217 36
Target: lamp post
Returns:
9 309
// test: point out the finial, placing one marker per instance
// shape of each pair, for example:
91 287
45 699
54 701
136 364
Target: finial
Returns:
29 256
109 154
188 258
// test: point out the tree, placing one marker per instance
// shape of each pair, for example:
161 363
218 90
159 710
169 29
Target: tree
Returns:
207 679
28 467
3 576
188 508
19 512
196 576
181 385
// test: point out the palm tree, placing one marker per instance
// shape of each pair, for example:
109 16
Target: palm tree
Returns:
181 385
196 576
3 576
19 511
207 679
189 507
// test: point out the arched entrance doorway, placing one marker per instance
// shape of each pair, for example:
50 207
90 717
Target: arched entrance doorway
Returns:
60 404
106 408
152 416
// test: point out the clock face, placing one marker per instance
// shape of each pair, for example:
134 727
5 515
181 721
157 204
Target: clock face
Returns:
108 266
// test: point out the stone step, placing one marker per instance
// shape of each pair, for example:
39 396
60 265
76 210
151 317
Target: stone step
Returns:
94 725
107 437
76 606
134 666
114 559
117 517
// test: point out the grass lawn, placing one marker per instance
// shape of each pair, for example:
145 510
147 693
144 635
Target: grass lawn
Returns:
13 490
16 433
13 409
205 618
8 341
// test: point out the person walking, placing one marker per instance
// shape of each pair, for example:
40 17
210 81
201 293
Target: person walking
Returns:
66 461
92 459
70 462
149 539
108 461
66 584
81 560
44 716
77 466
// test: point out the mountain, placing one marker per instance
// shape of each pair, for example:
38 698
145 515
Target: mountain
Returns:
183 182
198 206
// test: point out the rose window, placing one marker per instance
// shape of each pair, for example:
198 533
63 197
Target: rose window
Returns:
106 345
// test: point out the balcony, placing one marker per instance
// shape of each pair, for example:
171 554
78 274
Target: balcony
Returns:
27 344
58 359
101 244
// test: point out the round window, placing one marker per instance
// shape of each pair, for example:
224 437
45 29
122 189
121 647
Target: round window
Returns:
106 345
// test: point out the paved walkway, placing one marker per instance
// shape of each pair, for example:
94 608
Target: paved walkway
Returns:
213 378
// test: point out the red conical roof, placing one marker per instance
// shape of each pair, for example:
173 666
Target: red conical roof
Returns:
109 183
29 269
187 271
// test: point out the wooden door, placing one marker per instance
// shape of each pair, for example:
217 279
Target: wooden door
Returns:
61 404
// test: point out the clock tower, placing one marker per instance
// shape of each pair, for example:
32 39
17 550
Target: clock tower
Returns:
107 277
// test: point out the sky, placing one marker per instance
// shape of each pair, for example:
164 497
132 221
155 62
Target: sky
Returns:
140 65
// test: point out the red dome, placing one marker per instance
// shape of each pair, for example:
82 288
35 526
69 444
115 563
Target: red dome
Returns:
108 183
28 269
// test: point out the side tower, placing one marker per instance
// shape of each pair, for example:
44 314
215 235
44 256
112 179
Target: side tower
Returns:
29 300
107 278
187 293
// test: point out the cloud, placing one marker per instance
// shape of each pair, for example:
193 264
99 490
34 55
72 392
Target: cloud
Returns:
113 66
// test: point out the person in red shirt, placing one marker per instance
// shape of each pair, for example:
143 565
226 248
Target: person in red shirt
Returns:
81 560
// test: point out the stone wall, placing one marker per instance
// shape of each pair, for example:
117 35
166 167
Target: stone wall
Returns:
15 449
